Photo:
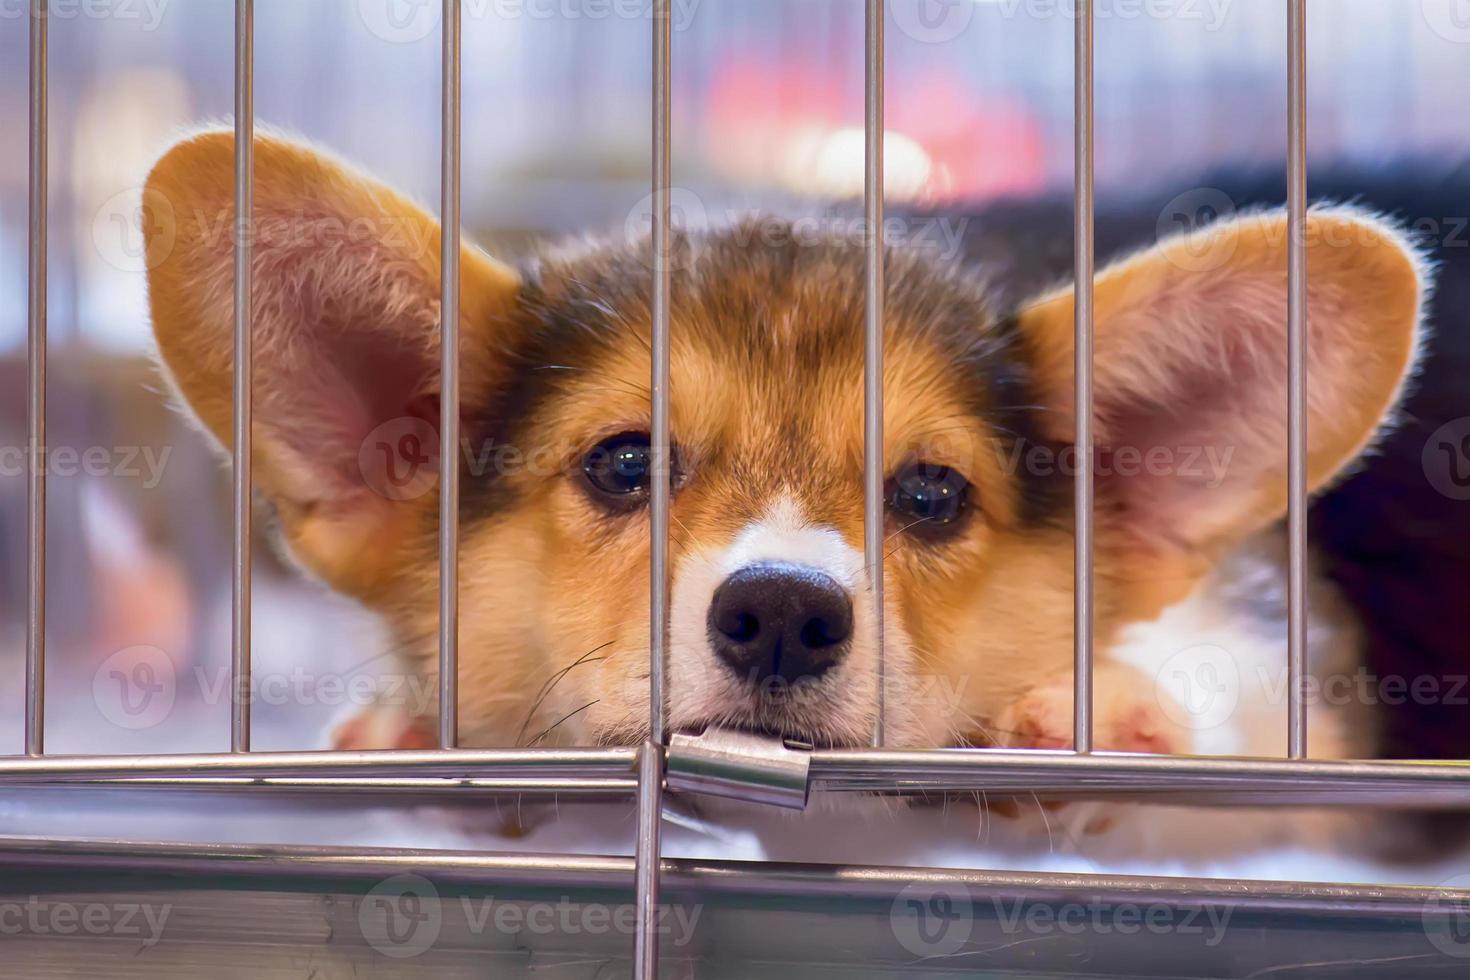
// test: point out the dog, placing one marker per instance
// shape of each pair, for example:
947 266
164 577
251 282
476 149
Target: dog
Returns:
772 623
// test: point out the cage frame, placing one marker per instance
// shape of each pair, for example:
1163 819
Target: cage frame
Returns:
638 772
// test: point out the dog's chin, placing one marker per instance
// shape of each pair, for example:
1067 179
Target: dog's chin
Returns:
795 735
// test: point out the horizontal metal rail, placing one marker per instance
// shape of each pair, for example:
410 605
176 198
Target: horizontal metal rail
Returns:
599 787
1196 779
366 864
883 771
571 764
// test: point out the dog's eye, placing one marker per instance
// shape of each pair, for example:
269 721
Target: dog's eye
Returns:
619 466
927 496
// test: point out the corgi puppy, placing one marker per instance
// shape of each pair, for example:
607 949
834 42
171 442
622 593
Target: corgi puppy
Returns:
772 623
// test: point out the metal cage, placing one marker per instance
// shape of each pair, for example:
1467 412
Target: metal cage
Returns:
641 772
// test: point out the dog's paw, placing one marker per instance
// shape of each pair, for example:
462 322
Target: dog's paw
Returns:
1127 717
381 727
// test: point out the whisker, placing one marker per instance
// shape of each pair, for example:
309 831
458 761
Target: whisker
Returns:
910 524
620 387
683 528
555 679
559 722
1051 841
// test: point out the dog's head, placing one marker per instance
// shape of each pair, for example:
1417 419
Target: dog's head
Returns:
772 624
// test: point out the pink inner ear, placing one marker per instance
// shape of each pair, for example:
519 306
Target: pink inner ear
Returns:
1200 383
426 407
1191 415
1174 478
331 392
345 354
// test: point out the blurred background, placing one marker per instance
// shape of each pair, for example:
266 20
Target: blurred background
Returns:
767 113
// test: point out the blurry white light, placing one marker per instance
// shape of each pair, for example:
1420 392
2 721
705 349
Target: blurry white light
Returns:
121 129
832 164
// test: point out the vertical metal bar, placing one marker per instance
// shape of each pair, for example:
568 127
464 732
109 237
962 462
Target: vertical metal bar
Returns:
659 502
1083 206
648 859
873 462
1296 328
651 760
244 256
449 247
35 710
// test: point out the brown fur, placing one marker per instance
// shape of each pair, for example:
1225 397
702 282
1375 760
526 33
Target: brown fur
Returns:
766 406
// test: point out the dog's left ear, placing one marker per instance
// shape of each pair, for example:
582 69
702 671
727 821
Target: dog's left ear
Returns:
1190 368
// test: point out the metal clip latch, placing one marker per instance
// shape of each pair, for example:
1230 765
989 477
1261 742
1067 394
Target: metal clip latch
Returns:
741 766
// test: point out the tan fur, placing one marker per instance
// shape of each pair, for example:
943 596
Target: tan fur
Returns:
1211 306
1190 350
357 255
767 407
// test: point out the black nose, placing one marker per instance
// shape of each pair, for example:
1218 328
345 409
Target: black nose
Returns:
777 619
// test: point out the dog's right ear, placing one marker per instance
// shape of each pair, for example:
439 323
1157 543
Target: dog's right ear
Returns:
345 339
